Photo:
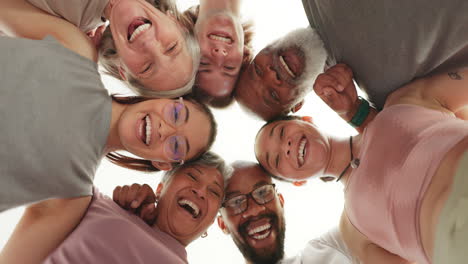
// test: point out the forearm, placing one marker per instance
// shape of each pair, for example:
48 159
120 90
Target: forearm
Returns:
13 23
42 228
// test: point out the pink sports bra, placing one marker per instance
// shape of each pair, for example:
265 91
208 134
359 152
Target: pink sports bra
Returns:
401 151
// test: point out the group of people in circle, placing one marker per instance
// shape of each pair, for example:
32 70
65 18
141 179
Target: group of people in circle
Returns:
404 175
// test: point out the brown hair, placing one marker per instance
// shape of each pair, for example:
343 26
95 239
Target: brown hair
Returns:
189 18
146 165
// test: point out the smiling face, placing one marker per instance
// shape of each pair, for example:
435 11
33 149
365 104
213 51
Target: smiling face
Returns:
259 231
151 45
281 74
221 40
189 202
292 149
164 130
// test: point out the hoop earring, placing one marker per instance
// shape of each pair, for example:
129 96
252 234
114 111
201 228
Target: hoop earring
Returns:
204 234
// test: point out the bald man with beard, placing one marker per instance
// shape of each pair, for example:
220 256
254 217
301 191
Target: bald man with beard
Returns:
386 43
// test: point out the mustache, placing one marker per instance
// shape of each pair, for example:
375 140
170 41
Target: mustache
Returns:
273 220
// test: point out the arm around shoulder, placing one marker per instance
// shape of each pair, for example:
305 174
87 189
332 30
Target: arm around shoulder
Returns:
42 228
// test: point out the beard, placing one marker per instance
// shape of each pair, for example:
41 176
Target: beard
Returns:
312 50
268 255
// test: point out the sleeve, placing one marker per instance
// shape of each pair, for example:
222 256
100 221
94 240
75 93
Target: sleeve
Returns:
85 14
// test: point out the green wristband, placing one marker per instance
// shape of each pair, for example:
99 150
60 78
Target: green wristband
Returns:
361 114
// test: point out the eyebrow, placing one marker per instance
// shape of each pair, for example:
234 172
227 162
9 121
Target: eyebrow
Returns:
272 129
232 193
219 185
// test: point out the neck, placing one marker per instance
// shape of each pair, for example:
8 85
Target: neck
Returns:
339 158
113 140
213 6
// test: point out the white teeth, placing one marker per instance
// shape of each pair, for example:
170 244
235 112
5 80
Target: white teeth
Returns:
224 39
260 237
195 208
286 67
139 30
259 229
301 151
148 130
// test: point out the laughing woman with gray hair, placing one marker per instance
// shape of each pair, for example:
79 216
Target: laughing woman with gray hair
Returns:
183 206
148 44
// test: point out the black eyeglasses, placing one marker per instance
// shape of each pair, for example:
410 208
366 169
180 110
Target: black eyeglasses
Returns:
239 204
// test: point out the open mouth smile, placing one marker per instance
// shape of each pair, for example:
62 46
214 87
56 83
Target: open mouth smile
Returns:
301 151
221 37
145 130
286 67
137 27
261 232
190 207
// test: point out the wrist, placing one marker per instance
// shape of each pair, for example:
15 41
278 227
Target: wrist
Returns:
360 113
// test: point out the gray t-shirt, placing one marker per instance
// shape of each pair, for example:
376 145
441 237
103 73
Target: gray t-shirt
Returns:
55 115
389 43
85 14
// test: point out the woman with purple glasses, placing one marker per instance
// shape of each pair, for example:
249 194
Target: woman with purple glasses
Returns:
58 120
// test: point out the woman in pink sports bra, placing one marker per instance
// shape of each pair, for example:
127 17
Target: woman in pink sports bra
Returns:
398 174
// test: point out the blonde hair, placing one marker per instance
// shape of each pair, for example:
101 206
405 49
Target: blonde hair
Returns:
110 59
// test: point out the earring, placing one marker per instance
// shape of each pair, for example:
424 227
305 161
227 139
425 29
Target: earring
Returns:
204 234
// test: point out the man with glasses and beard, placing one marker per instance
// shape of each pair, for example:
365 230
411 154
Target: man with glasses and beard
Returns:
252 213
386 43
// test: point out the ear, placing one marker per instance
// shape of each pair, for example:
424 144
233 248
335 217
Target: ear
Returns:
307 119
299 183
159 190
122 73
164 166
222 225
281 199
297 107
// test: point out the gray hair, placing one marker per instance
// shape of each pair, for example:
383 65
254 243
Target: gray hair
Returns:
110 59
209 159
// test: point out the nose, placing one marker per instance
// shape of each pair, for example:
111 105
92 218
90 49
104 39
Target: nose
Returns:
199 192
273 76
165 130
219 54
253 209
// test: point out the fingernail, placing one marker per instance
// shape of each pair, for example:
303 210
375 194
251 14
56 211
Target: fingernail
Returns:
134 204
340 87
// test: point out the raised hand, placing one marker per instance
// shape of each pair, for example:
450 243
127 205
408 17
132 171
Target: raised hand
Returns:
336 88
139 199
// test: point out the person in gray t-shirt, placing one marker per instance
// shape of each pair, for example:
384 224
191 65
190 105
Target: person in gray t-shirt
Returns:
58 120
386 43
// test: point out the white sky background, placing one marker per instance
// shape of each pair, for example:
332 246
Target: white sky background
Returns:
310 210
